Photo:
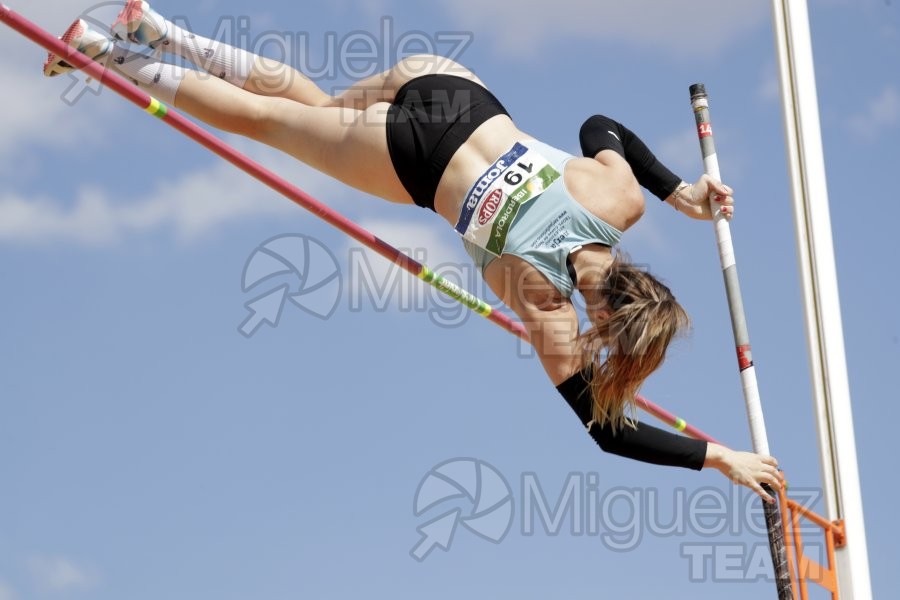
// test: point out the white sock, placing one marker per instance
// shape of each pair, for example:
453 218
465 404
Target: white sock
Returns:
216 58
160 79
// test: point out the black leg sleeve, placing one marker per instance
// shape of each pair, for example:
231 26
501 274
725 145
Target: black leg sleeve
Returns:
645 443
602 133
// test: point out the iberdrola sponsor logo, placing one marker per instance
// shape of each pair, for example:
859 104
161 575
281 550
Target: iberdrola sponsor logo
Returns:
490 206
531 189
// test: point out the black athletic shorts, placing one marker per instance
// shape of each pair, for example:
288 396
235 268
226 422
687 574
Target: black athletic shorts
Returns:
431 117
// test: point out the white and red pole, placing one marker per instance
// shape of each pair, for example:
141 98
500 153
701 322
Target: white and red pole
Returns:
700 103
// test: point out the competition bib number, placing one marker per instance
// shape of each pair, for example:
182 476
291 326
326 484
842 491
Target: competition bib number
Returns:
518 177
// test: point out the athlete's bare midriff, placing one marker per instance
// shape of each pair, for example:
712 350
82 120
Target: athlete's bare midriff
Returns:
598 185
494 137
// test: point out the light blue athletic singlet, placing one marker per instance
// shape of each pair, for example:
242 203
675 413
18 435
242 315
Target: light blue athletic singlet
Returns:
549 227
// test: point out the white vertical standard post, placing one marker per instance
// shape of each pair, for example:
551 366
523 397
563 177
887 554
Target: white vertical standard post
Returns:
818 274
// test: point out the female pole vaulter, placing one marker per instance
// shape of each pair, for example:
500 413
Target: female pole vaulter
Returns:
541 224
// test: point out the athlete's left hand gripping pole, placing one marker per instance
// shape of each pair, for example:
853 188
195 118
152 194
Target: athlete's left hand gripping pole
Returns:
700 103
204 138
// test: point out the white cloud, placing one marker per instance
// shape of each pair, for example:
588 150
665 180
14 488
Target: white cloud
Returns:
681 29
33 112
192 205
58 574
6 592
880 113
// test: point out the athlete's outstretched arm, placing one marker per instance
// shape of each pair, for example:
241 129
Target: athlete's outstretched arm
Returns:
649 444
600 133
554 336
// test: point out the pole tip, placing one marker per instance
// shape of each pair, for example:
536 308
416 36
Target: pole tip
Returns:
698 90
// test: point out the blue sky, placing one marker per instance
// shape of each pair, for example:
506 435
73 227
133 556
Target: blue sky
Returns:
148 449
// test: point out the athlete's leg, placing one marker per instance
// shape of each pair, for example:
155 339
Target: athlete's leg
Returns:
347 144
139 23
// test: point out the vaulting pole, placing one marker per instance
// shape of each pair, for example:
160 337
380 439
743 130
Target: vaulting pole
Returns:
700 103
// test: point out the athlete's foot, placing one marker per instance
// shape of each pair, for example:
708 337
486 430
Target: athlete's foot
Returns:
80 36
141 24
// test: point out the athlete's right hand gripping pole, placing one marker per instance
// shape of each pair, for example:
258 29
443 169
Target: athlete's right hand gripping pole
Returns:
700 103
